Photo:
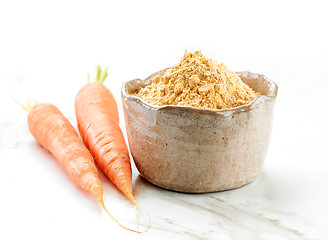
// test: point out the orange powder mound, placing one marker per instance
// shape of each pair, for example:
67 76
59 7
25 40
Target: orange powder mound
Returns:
199 82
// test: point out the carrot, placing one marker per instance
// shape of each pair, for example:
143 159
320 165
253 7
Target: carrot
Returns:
55 133
98 122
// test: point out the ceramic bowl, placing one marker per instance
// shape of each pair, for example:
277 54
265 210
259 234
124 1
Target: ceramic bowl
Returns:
197 150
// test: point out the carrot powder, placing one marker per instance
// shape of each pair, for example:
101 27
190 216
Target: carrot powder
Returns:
55 133
98 122
197 81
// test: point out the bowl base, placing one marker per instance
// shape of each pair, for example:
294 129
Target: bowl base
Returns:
199 190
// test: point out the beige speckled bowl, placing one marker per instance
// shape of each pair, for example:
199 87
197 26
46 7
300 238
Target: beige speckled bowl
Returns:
199 150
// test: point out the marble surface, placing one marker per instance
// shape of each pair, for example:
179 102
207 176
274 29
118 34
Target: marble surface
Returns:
49 60
287 201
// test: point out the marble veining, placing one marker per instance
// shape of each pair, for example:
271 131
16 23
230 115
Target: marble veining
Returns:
245 213
221 215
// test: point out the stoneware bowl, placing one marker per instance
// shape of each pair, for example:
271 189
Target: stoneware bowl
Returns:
197 150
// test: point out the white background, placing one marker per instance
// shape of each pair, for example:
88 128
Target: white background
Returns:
48 48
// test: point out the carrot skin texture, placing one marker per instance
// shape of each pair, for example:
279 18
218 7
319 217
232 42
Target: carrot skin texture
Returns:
98 122
55 133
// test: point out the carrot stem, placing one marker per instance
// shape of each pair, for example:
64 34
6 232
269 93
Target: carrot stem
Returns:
100 76
97 75
104 75
28 106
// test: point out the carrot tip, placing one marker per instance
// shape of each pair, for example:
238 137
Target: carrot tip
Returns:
132 199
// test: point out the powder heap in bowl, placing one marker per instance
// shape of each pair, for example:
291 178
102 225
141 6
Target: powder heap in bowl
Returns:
199 82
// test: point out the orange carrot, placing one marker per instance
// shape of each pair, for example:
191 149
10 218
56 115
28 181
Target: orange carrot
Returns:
55 133
98 122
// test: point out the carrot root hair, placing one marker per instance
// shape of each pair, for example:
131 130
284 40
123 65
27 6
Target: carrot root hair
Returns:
101 201
138 216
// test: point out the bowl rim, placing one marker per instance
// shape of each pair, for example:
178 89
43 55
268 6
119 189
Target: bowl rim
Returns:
223 112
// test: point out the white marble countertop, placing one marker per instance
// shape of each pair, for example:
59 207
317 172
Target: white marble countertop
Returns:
48 61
